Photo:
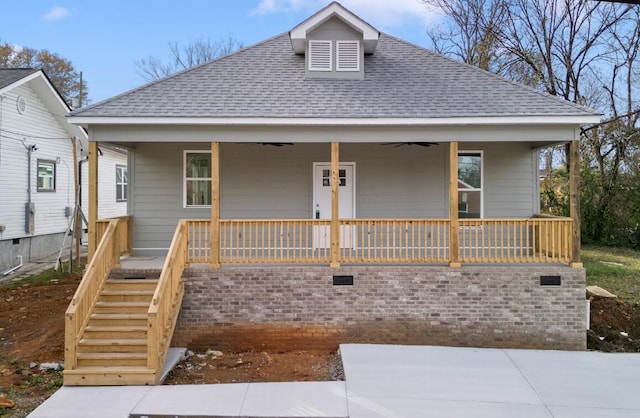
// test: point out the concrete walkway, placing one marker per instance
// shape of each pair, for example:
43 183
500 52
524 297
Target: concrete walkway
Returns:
394 381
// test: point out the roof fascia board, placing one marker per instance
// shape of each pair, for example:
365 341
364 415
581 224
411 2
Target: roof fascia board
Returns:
298 34
480 121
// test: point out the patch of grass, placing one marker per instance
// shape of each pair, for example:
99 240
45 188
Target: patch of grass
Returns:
45 277
614 269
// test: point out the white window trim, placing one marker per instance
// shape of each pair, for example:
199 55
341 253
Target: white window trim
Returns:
338 64
481 189
184 179
310 57
53 176
124 184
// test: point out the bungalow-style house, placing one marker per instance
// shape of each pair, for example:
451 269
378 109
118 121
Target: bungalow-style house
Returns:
330 184
37 144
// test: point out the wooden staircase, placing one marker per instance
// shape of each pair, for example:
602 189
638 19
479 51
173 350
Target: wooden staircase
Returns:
118 331
112 348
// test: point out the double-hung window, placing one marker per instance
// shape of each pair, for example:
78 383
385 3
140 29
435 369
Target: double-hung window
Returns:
470 184
197 179
46 176
121 183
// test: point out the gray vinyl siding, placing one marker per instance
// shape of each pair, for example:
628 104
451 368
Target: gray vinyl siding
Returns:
268 182
509 175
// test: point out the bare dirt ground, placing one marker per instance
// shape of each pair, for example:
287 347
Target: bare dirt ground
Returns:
32 333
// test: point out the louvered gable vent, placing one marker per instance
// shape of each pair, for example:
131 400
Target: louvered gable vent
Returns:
320 53
348 56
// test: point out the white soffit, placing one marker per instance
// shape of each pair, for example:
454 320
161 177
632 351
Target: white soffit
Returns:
298 34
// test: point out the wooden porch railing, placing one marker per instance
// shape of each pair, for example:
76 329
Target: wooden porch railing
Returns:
165 305
124 233
394 240
107 257
537 240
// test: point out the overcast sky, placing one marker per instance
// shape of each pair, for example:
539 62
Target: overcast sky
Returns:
103 39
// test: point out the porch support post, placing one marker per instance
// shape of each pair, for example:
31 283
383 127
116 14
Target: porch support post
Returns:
335 222
454 224
574 201
93 200
215 205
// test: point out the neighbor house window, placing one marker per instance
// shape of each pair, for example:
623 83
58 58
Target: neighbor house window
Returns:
46 176
121 183
470 184
197 178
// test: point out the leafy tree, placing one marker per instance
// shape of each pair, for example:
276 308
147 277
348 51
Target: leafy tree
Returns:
59 70
184 57
582 51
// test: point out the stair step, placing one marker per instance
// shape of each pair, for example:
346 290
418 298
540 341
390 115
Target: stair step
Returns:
121 307
117 332
144 284
111 359
112 345
109 376
118 319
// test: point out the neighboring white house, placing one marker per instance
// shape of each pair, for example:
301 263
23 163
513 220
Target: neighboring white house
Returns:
37 195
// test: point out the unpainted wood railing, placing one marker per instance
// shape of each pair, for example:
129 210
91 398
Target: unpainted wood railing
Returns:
537 240
124 235
107 256
394 240
274 241
165 304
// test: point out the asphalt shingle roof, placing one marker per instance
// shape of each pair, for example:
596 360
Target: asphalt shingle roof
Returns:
11 75
267 80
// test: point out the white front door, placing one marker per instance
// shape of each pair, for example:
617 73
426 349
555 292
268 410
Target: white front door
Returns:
322 201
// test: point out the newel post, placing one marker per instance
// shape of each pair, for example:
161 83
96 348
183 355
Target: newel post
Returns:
335 214
215 205
454 223
574 201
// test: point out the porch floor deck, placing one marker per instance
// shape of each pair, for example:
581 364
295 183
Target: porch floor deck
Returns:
156 263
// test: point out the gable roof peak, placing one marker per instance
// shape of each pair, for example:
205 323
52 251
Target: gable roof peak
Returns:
298 35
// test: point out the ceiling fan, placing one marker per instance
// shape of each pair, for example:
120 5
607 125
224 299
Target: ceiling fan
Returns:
400 144
273 144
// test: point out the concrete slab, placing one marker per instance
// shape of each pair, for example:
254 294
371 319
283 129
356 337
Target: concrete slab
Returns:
582 379
93 401
192 400
293 400
422 408
434 373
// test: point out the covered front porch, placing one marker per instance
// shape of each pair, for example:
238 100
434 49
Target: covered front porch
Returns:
335 240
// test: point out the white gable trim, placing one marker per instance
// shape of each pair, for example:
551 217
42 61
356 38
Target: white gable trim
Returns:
298 34
41 85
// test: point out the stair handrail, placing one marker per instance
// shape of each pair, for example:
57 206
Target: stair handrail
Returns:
163 312
106 257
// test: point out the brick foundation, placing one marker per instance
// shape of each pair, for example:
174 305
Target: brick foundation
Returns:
285 308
